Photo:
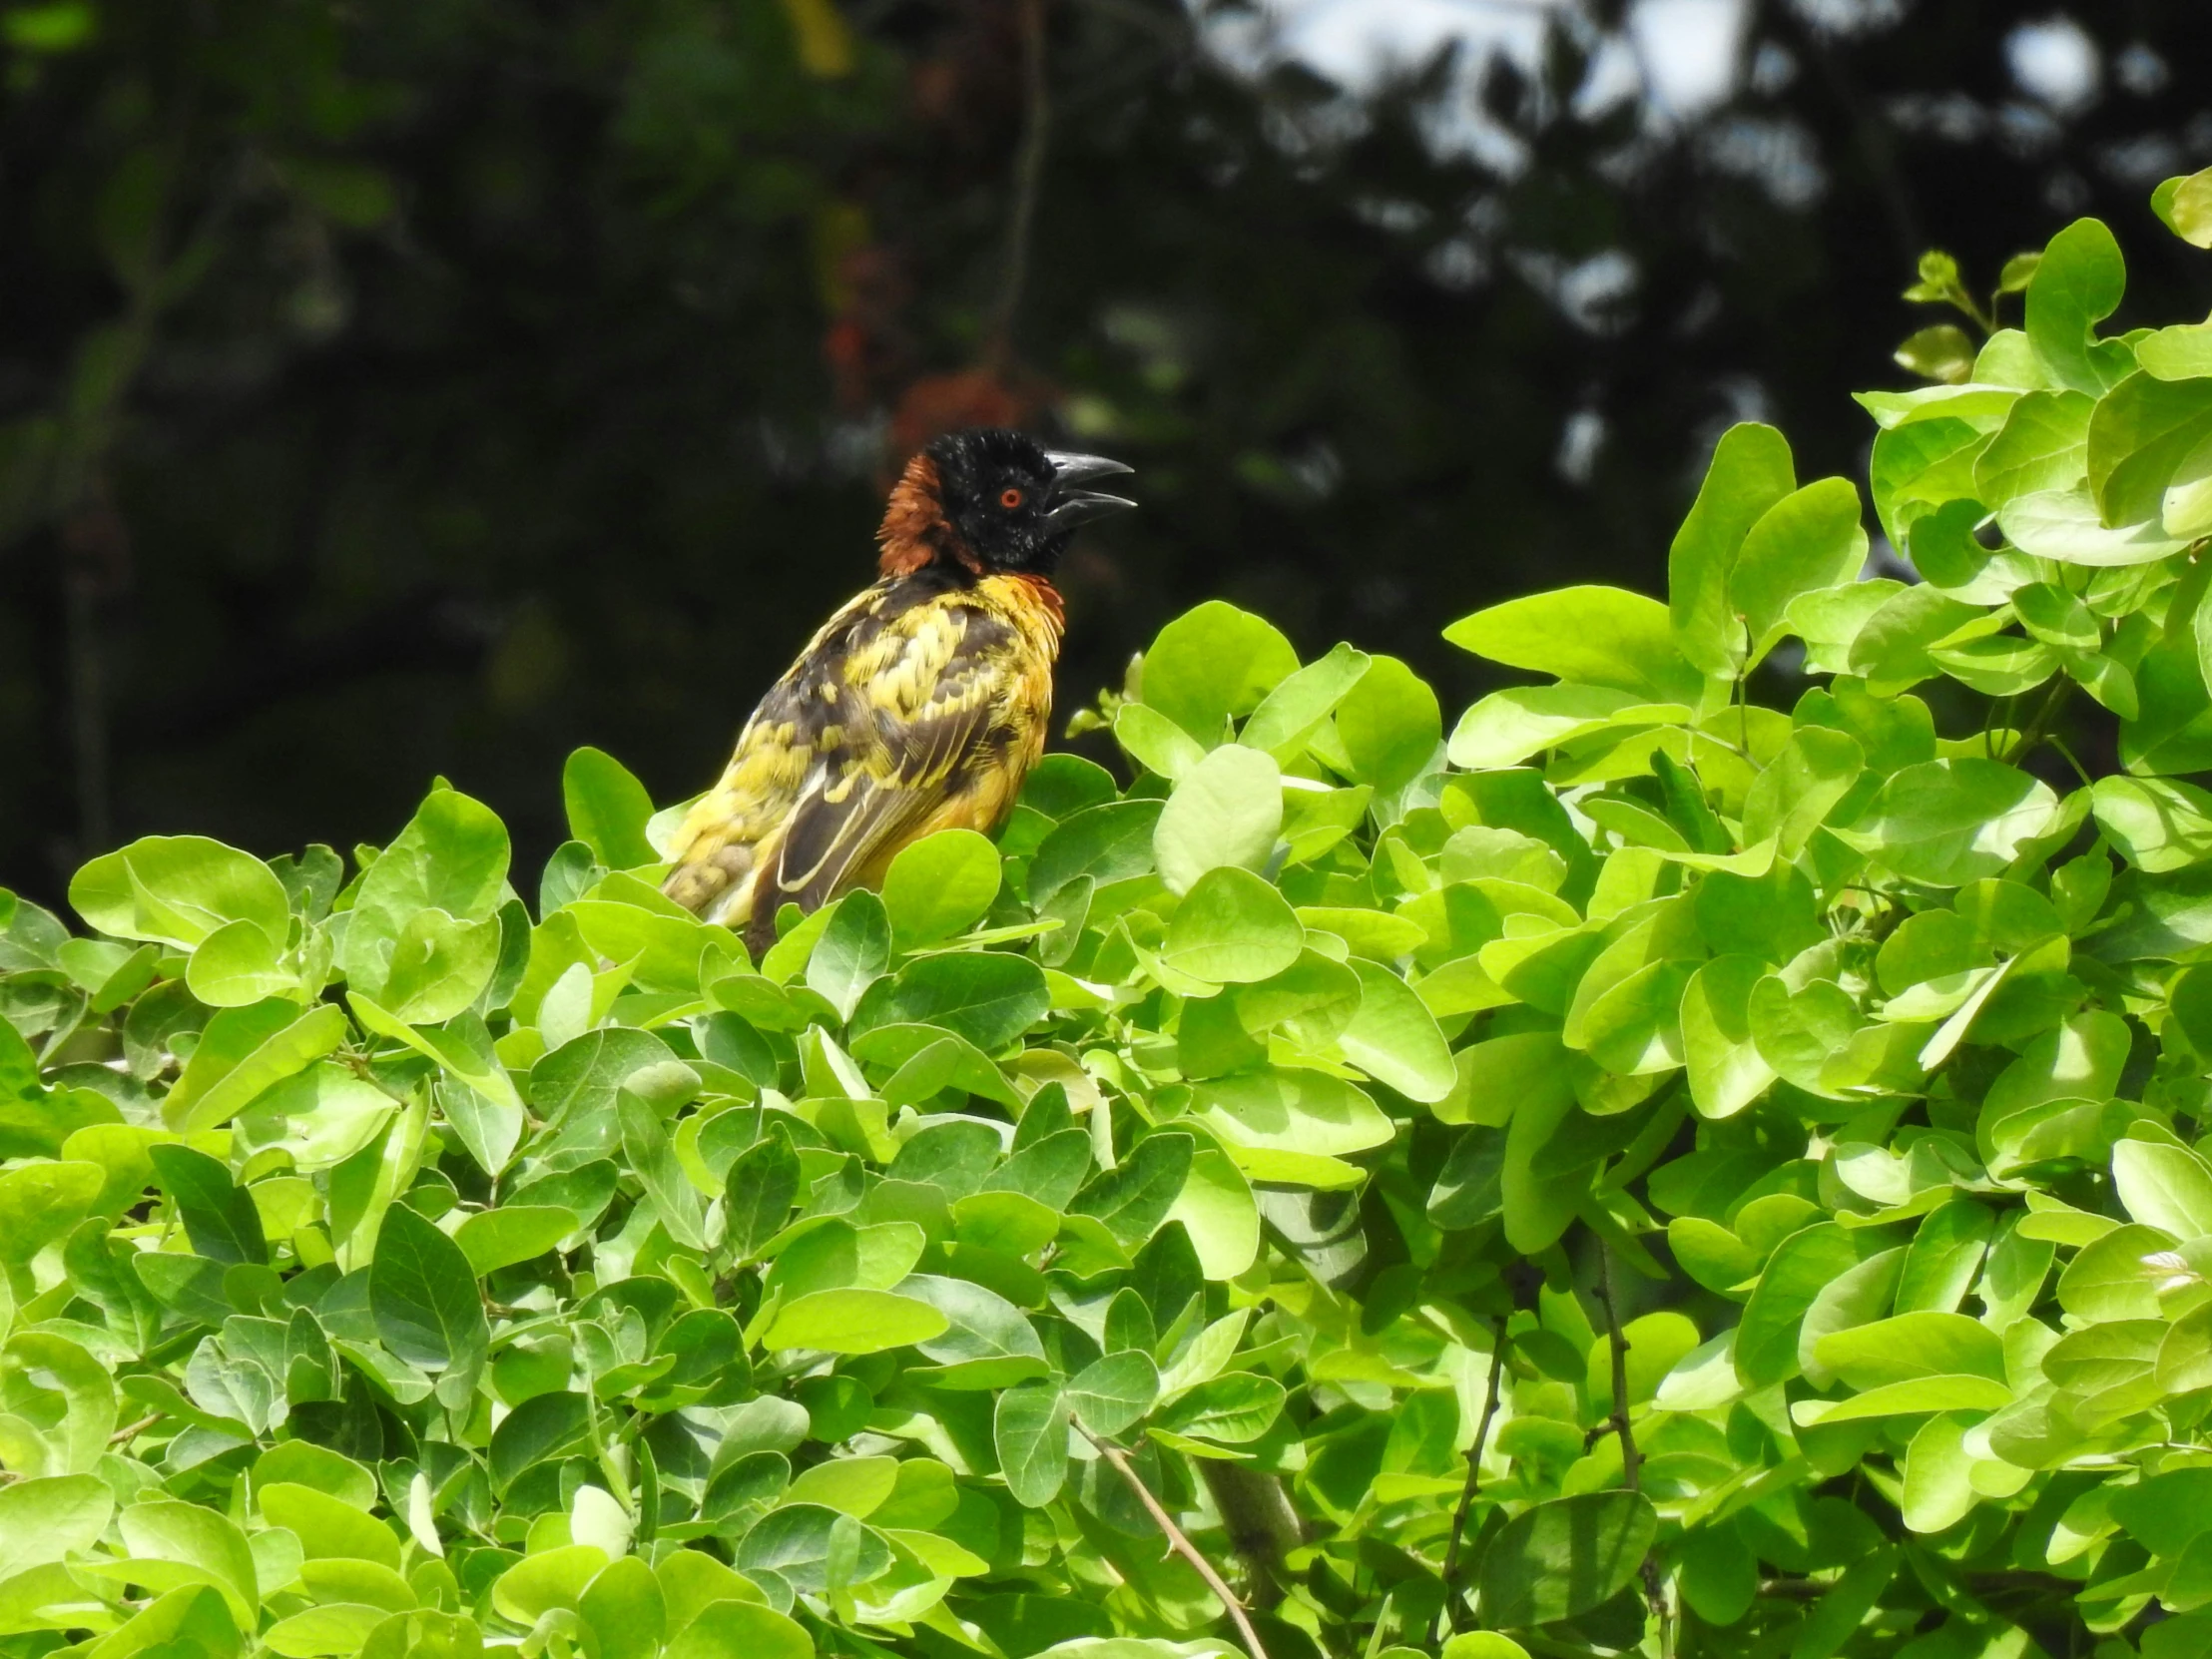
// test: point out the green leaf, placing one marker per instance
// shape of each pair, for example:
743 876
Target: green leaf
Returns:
1289 715
512 1233
2077 285
328 1528
1233 928
626 1611
1029 1427
1726 1071
1111 1394
439 965
853 1322
988 1344
178 889
855 950
220 1219
1282 1124
1807 541
739 1630
1912 1345
986 997
451 856
1750 473
2155 824
1225 812
2066 525
1967 1392
1507 727
761 1186
243 1051
1155 741
1592 636
1938 1490
1560 1558
1948 822
1389 725
51 1519
1234 1409
2140 438
41 1201
462 1047
1108 844
236 965
2043 445
1766 1334
1801 786
1480 1644
552 1578
1217 1210
2164 1186
1919 466
1134 1199
1941 352
1394 1040
424 1294
2185 205
607 809
2182 352
2109 1277
811 1546
1211 665
940 885
204 1543
1945 1255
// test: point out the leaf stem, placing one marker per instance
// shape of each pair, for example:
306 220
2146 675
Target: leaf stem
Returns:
1474 1478
2061 691
131 1432
1180 1542
1631 1460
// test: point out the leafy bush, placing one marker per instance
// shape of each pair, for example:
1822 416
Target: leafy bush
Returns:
1261 1160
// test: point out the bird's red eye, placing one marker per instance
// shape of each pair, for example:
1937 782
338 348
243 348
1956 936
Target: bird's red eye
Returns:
1009 498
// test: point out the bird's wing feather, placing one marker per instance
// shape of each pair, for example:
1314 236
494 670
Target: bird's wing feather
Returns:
731 830
922 696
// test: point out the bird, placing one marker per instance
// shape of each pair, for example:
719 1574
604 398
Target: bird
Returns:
920 706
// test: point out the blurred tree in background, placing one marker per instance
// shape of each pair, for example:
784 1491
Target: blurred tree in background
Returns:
487 378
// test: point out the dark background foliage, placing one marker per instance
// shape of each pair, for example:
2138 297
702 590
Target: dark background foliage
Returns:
388 391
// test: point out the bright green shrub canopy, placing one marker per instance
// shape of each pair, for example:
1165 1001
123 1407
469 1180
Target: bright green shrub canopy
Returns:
397 1262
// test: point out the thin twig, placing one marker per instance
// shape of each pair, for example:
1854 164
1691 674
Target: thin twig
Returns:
1474 1482
131 1432
1631 1460
1180 1542
2060 693
1028 180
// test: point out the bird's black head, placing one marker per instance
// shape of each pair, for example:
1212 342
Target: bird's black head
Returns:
993 500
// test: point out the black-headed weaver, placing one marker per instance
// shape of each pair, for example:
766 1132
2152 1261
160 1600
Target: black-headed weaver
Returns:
919 707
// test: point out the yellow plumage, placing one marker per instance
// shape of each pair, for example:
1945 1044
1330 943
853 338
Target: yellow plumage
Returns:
919 707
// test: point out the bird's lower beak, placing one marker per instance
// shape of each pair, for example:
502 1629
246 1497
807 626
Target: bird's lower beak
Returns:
1074 505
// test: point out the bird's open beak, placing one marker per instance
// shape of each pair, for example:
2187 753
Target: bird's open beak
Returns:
1074 505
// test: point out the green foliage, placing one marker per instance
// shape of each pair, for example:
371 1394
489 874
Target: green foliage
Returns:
390 1270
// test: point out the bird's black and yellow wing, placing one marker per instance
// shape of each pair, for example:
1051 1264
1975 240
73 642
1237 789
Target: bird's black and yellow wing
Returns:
917 708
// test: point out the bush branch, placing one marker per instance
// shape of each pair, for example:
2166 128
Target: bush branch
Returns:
1631 1460
1475 1479
1180 1542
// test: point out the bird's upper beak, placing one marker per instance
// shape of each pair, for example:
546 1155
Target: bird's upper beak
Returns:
1074 505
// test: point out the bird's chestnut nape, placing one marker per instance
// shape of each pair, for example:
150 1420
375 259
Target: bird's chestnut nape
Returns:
993 500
